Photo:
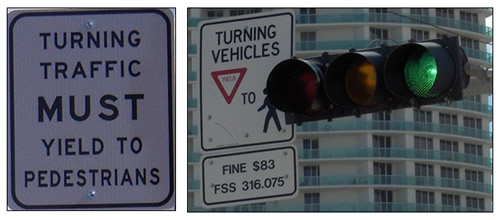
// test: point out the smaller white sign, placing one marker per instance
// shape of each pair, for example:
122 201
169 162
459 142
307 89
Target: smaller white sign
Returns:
249 177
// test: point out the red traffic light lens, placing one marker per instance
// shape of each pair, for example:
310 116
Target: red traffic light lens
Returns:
294 86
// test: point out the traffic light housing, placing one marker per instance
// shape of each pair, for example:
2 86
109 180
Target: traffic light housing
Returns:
369 80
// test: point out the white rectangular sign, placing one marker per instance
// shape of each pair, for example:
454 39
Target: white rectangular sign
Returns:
90 109
236 56
249 177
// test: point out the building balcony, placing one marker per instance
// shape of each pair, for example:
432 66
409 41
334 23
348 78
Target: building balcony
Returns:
193 22
380 180
341 207
192 49
365 18
192 76
393 180
193 184
338 44
301 46
393 153
463 104
393 126
392 18
192 130
194 157
192 103
469 105
477 54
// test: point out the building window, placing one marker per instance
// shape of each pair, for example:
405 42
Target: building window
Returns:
448 149
380 120
445 13
215 13
425 200
448 123
377 10
244 11
307 11
426 170
382 169
307 15
311 148
448 146
450 202
381 146
474 203
474 180
308 40
424 174
311 175
423 147
449 173
311 202
422 116
474 176
469 43
381 116
381 141
448 119
450 177
470 122
473 126
255 207
382 172
419 11
377 14
473 98
383 200
423 143
469 17
439 35
378 33
473 149
469 21
419 35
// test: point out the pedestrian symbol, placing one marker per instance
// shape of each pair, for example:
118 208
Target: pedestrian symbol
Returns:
270 114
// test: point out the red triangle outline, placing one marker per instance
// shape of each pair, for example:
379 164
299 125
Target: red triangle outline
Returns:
216 74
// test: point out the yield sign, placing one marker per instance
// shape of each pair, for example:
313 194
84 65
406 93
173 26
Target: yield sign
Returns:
228 81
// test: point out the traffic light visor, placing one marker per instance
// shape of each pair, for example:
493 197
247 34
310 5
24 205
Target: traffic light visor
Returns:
354 79
294 86
423 70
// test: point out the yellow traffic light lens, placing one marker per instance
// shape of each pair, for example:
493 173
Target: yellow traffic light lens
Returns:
360 82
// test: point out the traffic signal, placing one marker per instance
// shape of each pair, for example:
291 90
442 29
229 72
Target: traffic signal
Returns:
369 80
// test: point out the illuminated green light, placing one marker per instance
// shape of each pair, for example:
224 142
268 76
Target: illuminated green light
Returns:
420 74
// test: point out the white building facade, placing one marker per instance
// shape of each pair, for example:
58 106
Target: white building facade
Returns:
436 158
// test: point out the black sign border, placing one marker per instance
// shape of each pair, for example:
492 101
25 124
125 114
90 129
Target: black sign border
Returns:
201 73
253 198
170 111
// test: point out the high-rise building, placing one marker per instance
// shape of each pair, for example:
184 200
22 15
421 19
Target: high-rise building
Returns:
436 158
